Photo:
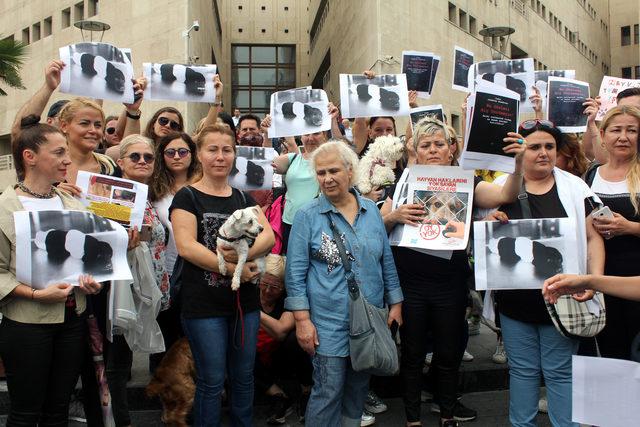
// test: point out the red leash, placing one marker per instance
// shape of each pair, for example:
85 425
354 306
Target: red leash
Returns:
239 307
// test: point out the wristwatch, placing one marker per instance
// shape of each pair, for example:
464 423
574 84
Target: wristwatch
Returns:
134 116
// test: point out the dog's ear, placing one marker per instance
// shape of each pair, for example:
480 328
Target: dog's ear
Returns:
237 215
256 210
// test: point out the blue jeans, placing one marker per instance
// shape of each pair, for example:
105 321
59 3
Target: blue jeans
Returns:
338 393
535 349
214 342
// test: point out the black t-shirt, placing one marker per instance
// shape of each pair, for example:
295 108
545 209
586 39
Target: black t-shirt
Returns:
528 305
205 293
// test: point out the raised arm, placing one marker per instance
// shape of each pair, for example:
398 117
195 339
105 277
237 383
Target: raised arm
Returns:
131 113
212 114
536 102
334 112
591 138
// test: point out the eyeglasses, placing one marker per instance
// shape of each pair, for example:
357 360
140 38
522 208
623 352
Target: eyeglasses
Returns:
147 157
110 131
163 121
531 124
182 152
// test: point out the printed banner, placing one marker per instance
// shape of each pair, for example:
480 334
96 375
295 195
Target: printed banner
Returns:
177 82
383 95
462 62
564 104
299 112
609 90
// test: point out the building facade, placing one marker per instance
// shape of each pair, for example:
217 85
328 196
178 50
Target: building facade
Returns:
625 38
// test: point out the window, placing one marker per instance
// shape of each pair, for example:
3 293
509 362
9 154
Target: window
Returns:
259 70
46 27
636 34
25 36
626 73
78 12
35 32
625 35
463 19
66 18
453 16
93 7
473 26
637 67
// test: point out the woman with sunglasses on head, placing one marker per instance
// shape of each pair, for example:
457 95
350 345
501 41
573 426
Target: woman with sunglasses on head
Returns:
535 347
617 183
435 289
43 331
175 166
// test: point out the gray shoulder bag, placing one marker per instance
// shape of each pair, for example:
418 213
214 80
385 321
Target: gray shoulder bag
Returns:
371 346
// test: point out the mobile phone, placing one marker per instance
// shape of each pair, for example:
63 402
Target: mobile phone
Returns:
603 212
145 233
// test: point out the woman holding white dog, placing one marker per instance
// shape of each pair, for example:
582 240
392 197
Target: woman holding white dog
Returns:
435 288
317 287
221 324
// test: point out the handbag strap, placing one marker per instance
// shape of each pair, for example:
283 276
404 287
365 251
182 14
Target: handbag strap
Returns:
346 262
523 199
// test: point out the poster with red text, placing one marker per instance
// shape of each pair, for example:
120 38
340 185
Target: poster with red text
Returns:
609 90
445 193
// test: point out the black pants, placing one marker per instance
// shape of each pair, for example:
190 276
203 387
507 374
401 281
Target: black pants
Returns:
42 363
439 308
623 324
286 231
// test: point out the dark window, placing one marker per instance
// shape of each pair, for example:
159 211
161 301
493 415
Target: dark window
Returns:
263 8
625 35
637 67
66 17
259 70
626 73
286 30
286 8
239 30
264 31
239 7
46 28
636 34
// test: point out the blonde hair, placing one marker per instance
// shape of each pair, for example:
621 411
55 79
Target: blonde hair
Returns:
428 126
134 139
633 175
275 265
72 107
344 152
453 140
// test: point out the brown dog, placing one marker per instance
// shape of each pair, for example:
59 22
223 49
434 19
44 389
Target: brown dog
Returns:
174 383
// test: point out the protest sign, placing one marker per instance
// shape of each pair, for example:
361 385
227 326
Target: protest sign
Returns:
564 104
542 81
418 113
516 75
252 168
177 82
418 67
298 112
383 95
434 72
609 90
462 61
58 246
118 199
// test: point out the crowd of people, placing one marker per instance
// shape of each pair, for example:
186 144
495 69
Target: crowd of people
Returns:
290 324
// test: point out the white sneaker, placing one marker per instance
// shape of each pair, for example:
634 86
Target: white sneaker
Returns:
542 405
428 358
367 419
500 356
467 357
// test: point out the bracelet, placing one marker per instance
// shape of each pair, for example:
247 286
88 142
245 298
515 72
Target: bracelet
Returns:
33 292
133 116
216 104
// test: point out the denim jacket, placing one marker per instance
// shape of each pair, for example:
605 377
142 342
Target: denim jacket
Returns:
315 278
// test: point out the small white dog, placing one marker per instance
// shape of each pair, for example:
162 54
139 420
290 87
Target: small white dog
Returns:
239 232
375 169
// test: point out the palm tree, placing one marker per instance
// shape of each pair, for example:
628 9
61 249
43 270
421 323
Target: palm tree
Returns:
12 55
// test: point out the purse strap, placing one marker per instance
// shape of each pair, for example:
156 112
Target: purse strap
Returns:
523 199
352 284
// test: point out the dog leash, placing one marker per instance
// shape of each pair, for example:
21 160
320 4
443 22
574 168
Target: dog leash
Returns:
235 326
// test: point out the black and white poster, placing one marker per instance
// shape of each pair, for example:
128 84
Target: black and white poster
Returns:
418 66
542 81
522 254
564 104
462 62
383 95
434 111
517 75
97 70
492 112
58 246
298 112
434 72
252 169
177 82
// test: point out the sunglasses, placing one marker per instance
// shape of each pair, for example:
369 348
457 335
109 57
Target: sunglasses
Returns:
531 124
111 131
182 152
135 157
163 121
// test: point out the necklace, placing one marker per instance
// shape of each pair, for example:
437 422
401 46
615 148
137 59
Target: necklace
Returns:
48 195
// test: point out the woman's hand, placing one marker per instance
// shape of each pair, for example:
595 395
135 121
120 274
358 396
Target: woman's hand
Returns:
52 74
413 98
307 336
218 86
592 105
57 292
88 284
564 284
536 102
395 314
375 194
229 254
516 145
139 85
334 111
249 272
266 123
134 238
456 230
616 226
497 216
369 74
74 190
583 296
410 214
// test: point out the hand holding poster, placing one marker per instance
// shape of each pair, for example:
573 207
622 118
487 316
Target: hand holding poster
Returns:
383 95
462 61
252 169
445 193
523 253
564 104
58 246
516 75
97 70
429 110
492 112
176 82
298 112
609 90
118 199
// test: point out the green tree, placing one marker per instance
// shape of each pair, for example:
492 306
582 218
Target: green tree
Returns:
12 55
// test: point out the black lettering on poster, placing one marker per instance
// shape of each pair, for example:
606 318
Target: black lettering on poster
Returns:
418 70
565 103
493 117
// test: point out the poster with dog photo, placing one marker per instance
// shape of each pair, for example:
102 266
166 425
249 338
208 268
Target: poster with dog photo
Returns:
177 82
517 75
58 246
446 195
434 111
117 199
564 104
542 81
462 62
419 67
492 112
609 90
298 112
522 254
252 169
97 70
383 95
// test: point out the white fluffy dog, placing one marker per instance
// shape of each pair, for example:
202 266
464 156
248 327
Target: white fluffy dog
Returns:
375 169
239 232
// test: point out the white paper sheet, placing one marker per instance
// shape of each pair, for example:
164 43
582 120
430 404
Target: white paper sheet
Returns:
299 112
542 81
564 107
515 74
609 90
118 199
173 82
384 95
606 392
462 63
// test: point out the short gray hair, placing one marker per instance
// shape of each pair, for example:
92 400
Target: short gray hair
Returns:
345 153
134 139
428 126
